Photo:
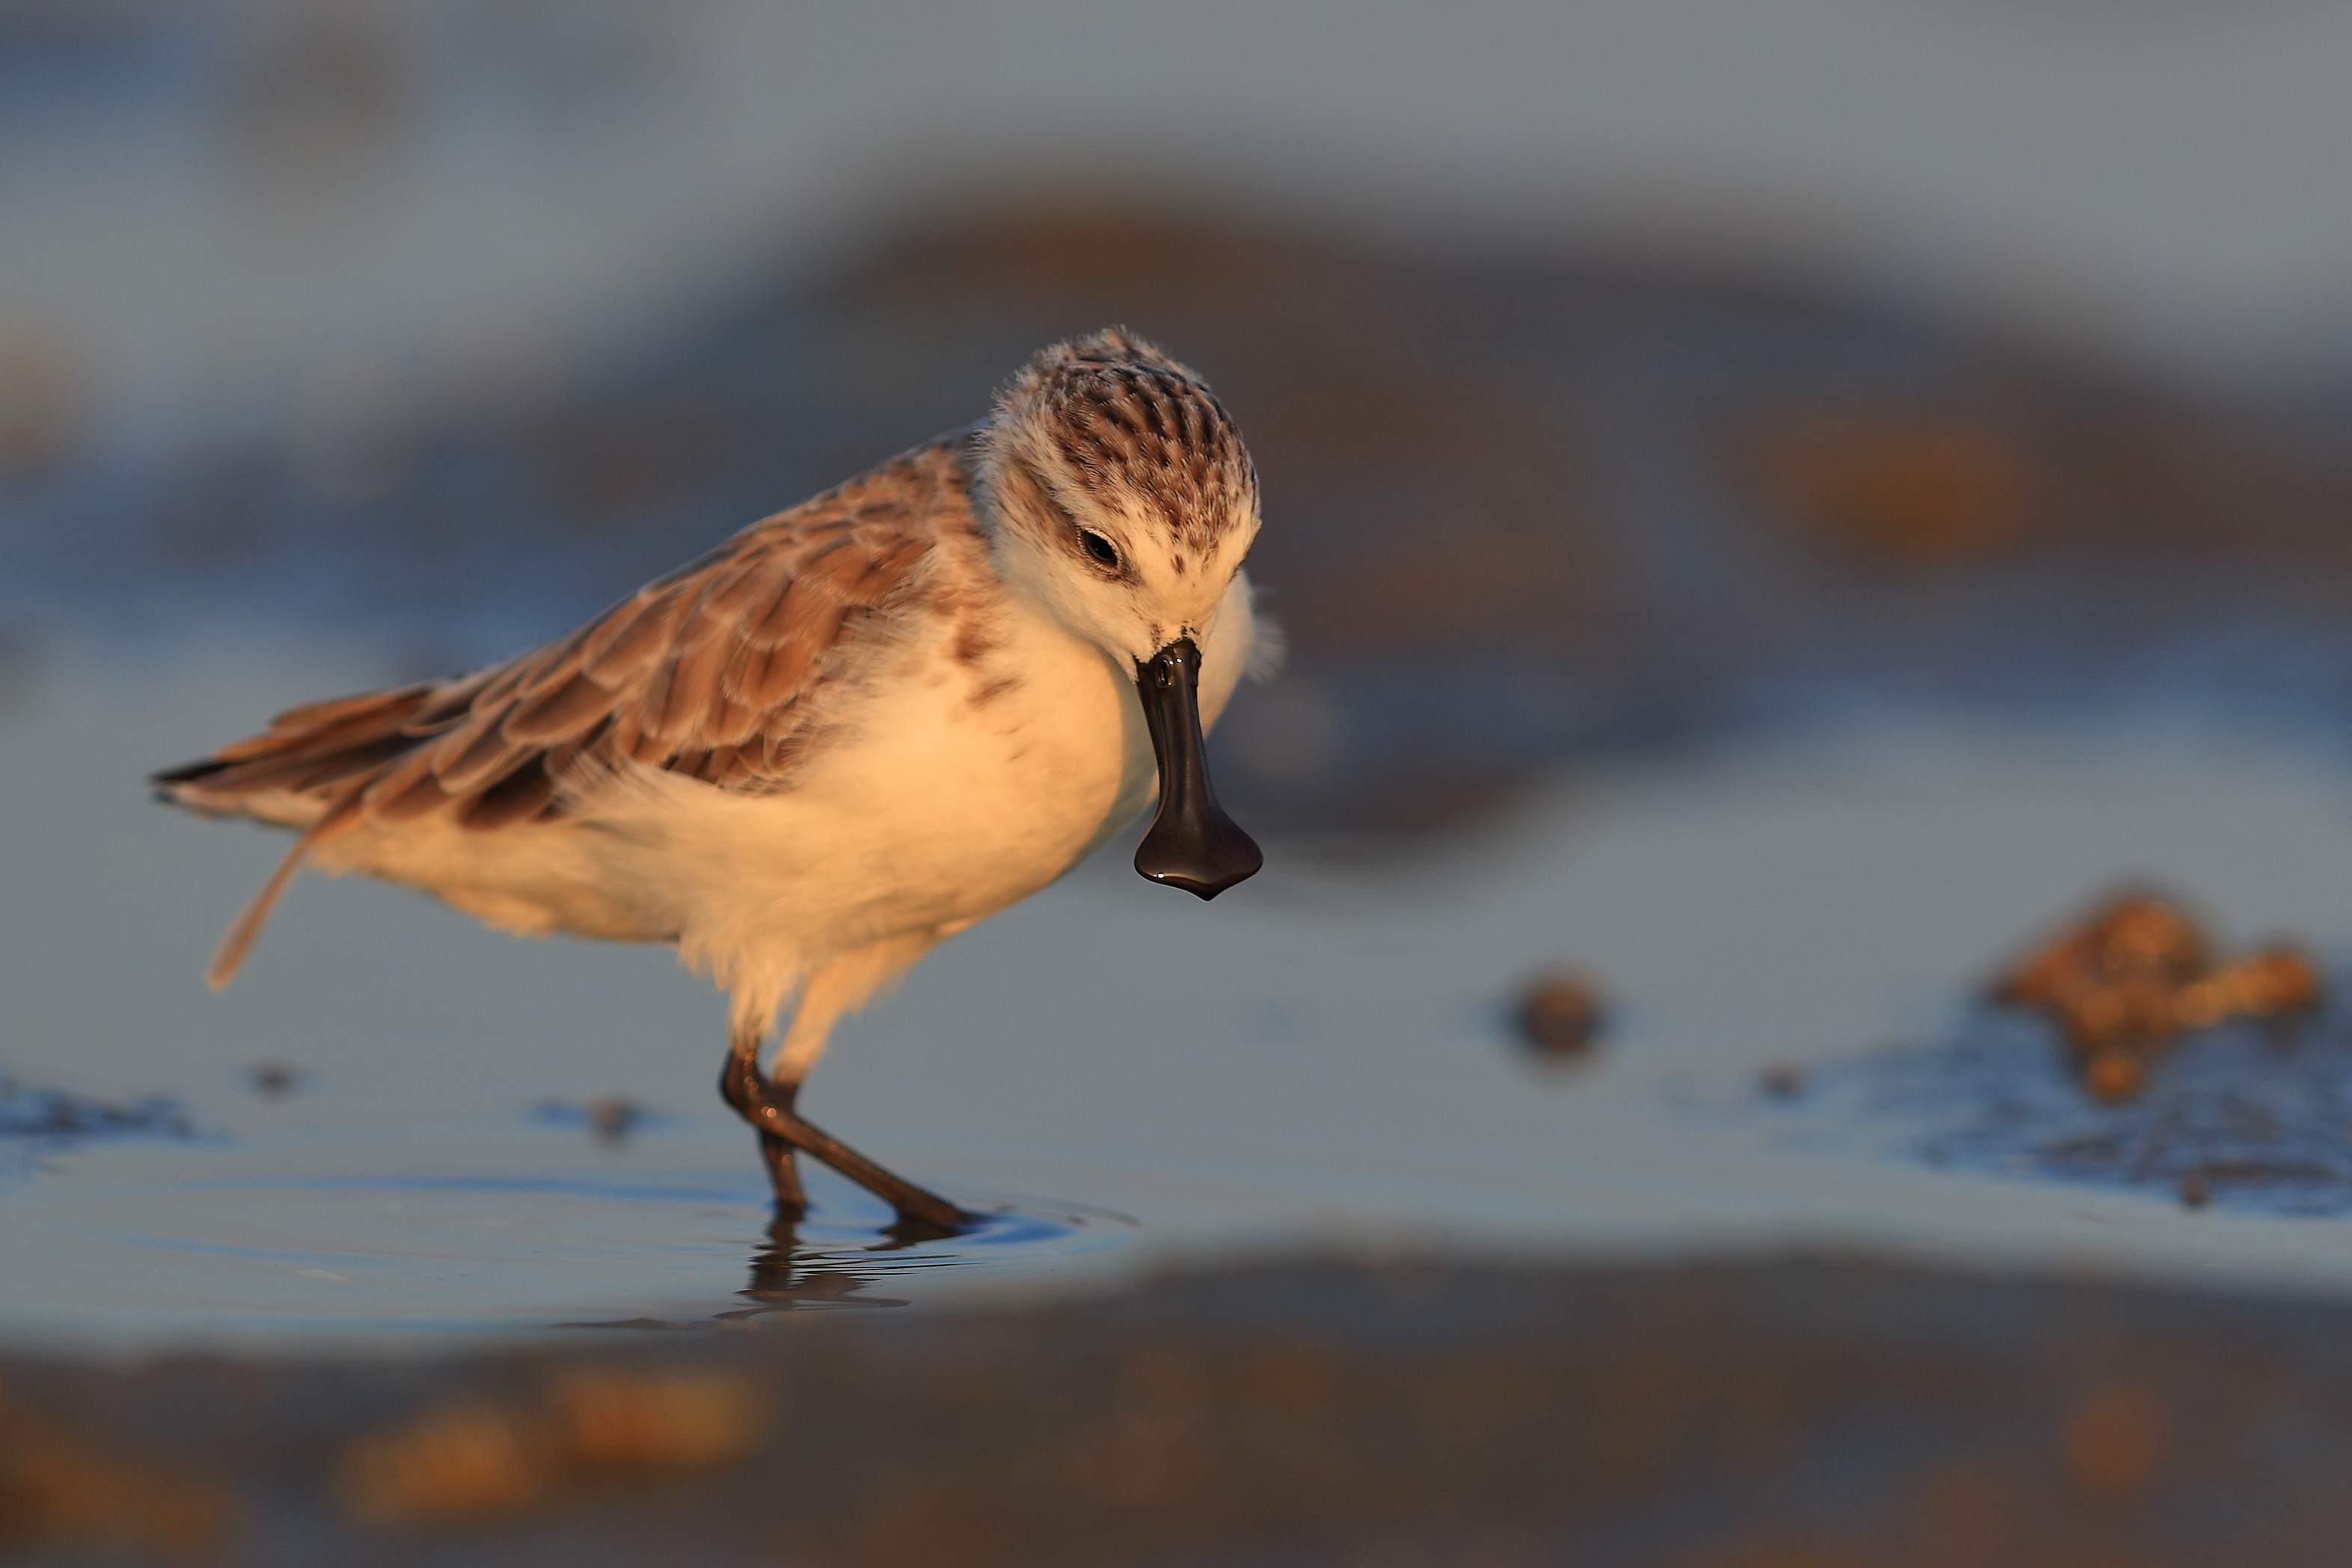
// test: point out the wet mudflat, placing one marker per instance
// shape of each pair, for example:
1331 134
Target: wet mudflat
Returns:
1833 1416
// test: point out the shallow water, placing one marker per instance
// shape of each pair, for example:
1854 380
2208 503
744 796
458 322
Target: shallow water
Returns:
1320 1058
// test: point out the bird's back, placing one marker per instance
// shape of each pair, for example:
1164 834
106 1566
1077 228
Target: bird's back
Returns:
722 671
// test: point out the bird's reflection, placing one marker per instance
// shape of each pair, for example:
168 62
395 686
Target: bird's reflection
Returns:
805 1264
786 1278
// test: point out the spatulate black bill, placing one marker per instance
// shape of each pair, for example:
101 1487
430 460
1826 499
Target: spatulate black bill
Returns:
1192 844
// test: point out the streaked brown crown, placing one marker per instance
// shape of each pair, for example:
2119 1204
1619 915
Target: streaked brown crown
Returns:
1121 421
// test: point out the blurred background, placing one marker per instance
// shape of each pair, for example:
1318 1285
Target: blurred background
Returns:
1688 353
1773 502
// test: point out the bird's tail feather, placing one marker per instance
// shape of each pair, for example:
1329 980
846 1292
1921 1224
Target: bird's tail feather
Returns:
237 941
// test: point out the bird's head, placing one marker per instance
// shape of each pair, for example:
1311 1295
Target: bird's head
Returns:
1123 496
1123 501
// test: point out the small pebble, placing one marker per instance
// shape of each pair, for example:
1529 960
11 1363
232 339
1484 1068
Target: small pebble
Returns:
612 1118
273 1080
1560 1015
1782 1081
2194 1192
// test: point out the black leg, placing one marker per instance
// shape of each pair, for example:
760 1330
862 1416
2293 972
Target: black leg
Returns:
770 1110
783 1175
783 1171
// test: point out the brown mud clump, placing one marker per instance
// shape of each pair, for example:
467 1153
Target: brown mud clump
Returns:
2127 979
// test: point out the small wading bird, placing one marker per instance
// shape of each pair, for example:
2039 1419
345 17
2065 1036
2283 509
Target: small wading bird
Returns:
849 731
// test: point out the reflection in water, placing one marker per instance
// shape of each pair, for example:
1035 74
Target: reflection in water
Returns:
784 1280
808 1264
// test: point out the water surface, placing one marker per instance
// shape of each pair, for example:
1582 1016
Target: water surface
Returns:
1321 1058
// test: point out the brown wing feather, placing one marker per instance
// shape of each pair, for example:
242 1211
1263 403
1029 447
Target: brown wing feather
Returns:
708 671
294 743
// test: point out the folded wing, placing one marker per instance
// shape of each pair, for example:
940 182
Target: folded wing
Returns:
715 671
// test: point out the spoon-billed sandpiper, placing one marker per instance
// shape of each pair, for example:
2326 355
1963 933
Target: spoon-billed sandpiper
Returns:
850 731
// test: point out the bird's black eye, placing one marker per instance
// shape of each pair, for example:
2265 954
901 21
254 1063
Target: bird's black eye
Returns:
1099 547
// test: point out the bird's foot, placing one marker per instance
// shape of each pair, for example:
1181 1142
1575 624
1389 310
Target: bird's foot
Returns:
770 1110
